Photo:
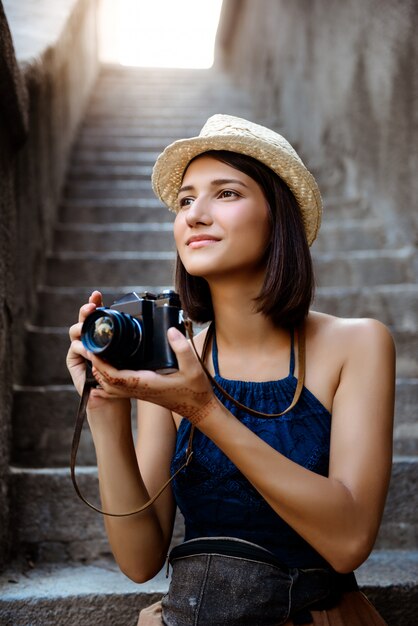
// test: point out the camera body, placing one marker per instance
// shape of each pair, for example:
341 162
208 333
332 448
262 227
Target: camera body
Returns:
132 333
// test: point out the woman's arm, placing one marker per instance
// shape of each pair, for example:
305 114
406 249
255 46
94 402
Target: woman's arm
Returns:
338 515
139 542
128 479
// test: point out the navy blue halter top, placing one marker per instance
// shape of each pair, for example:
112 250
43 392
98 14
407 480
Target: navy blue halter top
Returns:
214 496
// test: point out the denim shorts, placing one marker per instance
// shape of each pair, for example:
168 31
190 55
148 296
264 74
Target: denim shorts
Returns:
230 582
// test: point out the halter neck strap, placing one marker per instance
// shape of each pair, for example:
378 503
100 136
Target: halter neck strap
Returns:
300 380
215 357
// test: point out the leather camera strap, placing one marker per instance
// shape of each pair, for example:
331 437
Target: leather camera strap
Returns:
90 383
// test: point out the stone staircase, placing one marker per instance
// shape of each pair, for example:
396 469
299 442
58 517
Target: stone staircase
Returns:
114 235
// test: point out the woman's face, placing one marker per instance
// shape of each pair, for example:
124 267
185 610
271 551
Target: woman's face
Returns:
222 228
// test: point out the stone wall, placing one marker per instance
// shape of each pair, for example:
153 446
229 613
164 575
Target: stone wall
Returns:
48 63
340 79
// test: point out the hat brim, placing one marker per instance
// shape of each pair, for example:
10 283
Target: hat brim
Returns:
169 170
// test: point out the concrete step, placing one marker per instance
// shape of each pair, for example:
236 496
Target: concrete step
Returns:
85 158
46 352
389 579
154 114
189 97
399 529
406 353
110 268
122 210
365 267
346 207
152 131
117 268
150 126
338 235
153 128
175 79
103 189
149 236
133 110
196 94
163 94
47 346
57 305
105 172
406 417
101 141
45 595
43 427
74 595
43 424
50 521
169 126
77 207
173 86
394 305
140 135
107 237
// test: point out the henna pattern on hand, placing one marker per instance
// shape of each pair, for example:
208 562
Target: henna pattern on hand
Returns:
98 378
198 408
200 414
130 385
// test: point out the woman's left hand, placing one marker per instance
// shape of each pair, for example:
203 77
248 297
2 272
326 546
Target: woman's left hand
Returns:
185 392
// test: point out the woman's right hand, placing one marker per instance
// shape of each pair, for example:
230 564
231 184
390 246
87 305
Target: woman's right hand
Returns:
151 616
77 354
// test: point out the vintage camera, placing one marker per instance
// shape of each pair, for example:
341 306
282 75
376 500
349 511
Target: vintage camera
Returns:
132 333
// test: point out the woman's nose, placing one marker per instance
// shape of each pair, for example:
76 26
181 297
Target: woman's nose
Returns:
199 212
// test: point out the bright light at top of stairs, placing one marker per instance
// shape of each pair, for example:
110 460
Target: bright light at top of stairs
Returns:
160 33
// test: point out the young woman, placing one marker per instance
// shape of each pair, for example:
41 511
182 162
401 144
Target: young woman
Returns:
282 505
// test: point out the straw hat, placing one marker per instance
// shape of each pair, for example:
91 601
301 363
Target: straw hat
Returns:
225 132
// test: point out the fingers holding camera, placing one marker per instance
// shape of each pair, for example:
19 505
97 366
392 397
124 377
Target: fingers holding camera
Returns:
76 356
186 392
95 300
77 353
198 398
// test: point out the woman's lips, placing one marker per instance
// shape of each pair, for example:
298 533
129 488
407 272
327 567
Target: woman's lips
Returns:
199 241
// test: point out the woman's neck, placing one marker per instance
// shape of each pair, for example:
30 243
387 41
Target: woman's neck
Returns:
250 346
237 319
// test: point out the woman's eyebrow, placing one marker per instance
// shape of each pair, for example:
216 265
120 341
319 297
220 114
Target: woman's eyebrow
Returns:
215 183
225 181
186 188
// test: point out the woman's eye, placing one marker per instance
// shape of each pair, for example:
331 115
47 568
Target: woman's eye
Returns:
185 202
228 193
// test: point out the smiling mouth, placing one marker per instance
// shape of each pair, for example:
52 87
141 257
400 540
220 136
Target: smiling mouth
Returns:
201 241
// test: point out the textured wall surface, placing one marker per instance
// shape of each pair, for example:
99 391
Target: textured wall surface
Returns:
340 79
13 133
44 87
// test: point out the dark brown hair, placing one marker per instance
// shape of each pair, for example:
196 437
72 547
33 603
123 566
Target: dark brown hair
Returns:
289 285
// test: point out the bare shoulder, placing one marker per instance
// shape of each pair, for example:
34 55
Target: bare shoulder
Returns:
350 335
346 353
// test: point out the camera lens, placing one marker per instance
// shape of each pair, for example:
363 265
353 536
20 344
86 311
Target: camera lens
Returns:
103 331
115 336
